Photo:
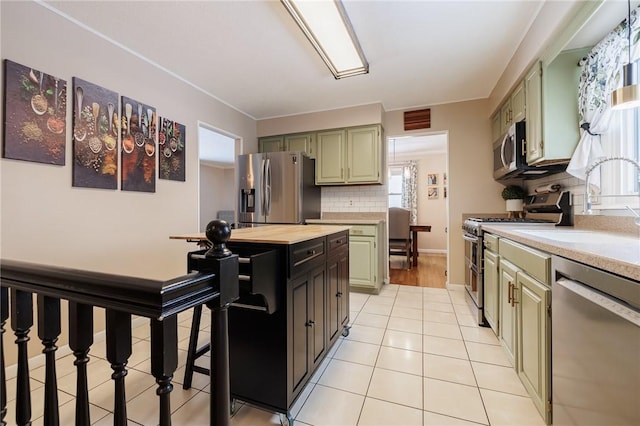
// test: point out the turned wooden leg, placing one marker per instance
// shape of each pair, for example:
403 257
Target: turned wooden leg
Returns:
164 361
48 331
21 322
4 315
80 341
118 352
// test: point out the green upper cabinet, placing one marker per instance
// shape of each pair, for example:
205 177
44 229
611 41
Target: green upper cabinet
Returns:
303 142
552 109
330 158
496 130
513 109
505 116
271 144
363 155
518 104
533 89
349 156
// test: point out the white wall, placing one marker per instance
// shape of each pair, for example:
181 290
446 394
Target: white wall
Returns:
470 178
431 211
45 219
217 192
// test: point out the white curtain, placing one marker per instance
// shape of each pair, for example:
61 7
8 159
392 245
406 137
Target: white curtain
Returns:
601 74
410 189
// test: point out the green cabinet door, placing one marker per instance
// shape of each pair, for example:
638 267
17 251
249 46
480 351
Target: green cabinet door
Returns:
491 290
518 105
363 155
330 163
508 325
505 116
304 142
496 131
363 262
534 340
271 144
533 90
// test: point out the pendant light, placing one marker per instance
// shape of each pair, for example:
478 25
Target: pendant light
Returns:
628 96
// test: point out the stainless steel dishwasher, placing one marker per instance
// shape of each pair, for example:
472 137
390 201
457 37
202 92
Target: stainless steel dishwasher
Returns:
595 346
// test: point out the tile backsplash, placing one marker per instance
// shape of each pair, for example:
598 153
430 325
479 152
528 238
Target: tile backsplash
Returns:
354 198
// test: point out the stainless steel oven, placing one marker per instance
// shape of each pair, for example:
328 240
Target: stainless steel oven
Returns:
473 270
542 208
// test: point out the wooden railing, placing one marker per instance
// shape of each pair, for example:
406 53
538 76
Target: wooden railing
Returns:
215 285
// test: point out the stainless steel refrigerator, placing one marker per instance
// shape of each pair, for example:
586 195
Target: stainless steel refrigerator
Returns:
277 187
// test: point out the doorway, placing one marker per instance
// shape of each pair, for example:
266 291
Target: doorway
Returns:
427 156
217 153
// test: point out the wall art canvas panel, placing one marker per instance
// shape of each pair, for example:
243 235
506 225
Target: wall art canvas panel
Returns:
138 132
95 136
35 115
432 179
171 140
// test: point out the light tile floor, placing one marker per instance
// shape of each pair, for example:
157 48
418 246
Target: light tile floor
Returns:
414 356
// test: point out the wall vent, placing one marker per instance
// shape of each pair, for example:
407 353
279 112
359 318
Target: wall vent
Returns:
419 119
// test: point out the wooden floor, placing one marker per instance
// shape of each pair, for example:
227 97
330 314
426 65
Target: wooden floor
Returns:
430 271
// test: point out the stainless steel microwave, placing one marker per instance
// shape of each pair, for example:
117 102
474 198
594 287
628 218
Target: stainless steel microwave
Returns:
510 157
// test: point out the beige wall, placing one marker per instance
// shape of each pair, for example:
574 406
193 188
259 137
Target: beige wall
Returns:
431 211
345 117
46 220
216 192
470 177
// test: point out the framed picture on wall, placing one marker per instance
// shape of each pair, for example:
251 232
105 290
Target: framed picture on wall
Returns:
35 115
444 192
444 178
432 193
432 179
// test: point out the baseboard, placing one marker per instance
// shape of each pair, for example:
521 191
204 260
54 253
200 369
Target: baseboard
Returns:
433 251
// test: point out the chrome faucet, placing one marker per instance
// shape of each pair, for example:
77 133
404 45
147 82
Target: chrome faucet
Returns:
587 195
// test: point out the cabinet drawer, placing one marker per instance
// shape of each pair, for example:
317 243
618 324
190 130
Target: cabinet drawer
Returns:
359 230
534 262
337 240
491 242
304 256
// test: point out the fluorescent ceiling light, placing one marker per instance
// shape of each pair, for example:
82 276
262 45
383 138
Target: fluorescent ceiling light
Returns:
327 26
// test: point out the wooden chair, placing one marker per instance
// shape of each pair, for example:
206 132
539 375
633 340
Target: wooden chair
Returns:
399 233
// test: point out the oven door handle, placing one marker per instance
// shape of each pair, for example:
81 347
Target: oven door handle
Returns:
469 238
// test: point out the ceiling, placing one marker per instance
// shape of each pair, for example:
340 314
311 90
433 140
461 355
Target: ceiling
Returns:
253 57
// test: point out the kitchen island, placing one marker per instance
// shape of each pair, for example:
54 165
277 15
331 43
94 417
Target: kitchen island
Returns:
293 306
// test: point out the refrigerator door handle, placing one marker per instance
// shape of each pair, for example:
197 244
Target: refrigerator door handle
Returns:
262 187
267 186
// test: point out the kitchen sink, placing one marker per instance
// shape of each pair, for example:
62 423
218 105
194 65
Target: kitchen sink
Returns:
577 236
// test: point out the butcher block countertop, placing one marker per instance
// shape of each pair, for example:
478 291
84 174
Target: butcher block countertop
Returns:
272 234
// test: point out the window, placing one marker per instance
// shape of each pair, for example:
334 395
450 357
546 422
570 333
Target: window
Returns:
621 177
395 186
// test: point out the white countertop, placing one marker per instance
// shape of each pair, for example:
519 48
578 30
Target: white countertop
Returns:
609 251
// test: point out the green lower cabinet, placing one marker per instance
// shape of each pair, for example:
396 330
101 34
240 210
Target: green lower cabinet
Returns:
492 290
363 262
534 341
508 325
